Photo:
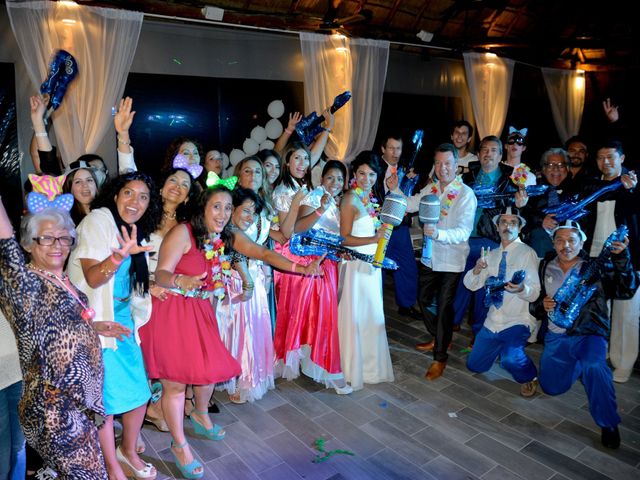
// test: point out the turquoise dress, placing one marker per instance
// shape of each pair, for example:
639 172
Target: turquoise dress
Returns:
125 379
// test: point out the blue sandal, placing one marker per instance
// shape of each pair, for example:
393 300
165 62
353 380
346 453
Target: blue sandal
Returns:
187 470
214 433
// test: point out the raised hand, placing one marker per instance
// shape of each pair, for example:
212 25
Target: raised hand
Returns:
329 118
129 243
392 182
38 107
294 118
550 222
618 247
629 180
481 263
610 110
124 116
521 197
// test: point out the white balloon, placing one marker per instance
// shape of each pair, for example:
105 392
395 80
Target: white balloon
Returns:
267 145
250 146
273 128
276 109
259 134
236 155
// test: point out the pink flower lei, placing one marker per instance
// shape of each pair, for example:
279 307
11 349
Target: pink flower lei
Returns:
454 190
218 263
369 201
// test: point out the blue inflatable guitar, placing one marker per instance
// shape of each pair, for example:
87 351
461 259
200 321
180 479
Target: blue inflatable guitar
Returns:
494 288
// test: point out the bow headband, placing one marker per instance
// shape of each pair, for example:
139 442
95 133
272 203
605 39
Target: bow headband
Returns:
36 202
180 161
47 185
213 180
522 132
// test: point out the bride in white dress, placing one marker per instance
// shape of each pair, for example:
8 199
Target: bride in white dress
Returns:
364 349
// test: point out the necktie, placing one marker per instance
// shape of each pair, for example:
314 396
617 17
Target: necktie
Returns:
502 268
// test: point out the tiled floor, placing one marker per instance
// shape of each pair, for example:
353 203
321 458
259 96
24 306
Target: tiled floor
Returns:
461 426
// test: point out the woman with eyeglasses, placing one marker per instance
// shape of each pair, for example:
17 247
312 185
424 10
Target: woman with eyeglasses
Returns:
110 264
60 356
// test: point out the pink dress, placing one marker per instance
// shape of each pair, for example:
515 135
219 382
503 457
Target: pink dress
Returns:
307 322
181 341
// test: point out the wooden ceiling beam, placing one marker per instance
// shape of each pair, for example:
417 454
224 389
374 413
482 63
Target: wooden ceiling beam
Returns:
392 12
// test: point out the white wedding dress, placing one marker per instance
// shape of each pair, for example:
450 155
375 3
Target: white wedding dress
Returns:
364 349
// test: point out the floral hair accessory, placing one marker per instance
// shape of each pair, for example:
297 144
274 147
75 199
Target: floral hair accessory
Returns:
36 202
180 161
218 263
47 185
520 175
213 180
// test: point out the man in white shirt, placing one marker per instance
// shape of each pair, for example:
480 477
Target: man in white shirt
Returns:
509 324
461 137
440 275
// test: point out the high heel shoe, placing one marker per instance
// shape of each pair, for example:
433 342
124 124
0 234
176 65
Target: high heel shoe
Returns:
148 472
214 433
187 470
189 406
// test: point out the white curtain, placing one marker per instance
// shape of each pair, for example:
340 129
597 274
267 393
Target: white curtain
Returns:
103 42
333 64
566 90
489 78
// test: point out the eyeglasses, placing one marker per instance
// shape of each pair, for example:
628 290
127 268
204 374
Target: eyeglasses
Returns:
47 240
555 166
512 141
507 223
561 241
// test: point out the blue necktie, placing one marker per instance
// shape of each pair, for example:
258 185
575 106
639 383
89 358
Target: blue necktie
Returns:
502 275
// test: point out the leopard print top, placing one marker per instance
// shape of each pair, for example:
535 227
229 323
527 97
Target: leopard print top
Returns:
59 351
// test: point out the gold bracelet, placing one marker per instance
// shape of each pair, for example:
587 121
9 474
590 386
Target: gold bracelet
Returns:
106 270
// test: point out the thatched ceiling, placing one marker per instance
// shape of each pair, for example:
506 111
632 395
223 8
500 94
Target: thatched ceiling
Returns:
586 34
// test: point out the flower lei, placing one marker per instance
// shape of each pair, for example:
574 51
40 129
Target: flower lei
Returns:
218 263
520 175
454 190
370 203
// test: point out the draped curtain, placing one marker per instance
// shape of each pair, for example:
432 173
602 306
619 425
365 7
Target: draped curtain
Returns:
103 42
333 64
489 79
566 91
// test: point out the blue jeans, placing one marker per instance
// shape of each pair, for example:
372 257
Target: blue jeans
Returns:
12 447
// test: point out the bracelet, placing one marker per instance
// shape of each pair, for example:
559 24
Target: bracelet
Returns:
113 259
106 270
288 130
122 141
41 134
174 280
293 267
247 286
318 213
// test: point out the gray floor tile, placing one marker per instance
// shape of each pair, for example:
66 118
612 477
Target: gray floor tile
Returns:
510 459
300 457
560 463
271 400
252 449
399 441
457 452
231 467
444 469
607 464
563 407
302 399
500 473
527 408
279 472
496 430
552 438
390 392
396 467
399 417
354 467
353 437
305 429
346 406
424 391
477 402
257 420
435 417
467 380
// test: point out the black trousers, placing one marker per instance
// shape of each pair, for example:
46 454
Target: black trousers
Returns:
441 286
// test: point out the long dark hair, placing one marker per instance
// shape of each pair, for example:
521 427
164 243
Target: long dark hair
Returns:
285 174
198 225
172 151
372 160
76 211
184 211
240 195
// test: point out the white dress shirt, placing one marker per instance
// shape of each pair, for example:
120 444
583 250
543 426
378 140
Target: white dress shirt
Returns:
451 246
515 307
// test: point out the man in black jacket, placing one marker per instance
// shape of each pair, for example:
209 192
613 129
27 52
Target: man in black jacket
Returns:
580 348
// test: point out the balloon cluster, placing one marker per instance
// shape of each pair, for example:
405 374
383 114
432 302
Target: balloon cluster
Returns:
261 138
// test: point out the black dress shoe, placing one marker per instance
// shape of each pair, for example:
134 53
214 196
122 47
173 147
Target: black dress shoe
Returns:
610 437
410 312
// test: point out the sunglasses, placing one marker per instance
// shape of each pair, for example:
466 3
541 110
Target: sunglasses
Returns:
512 141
